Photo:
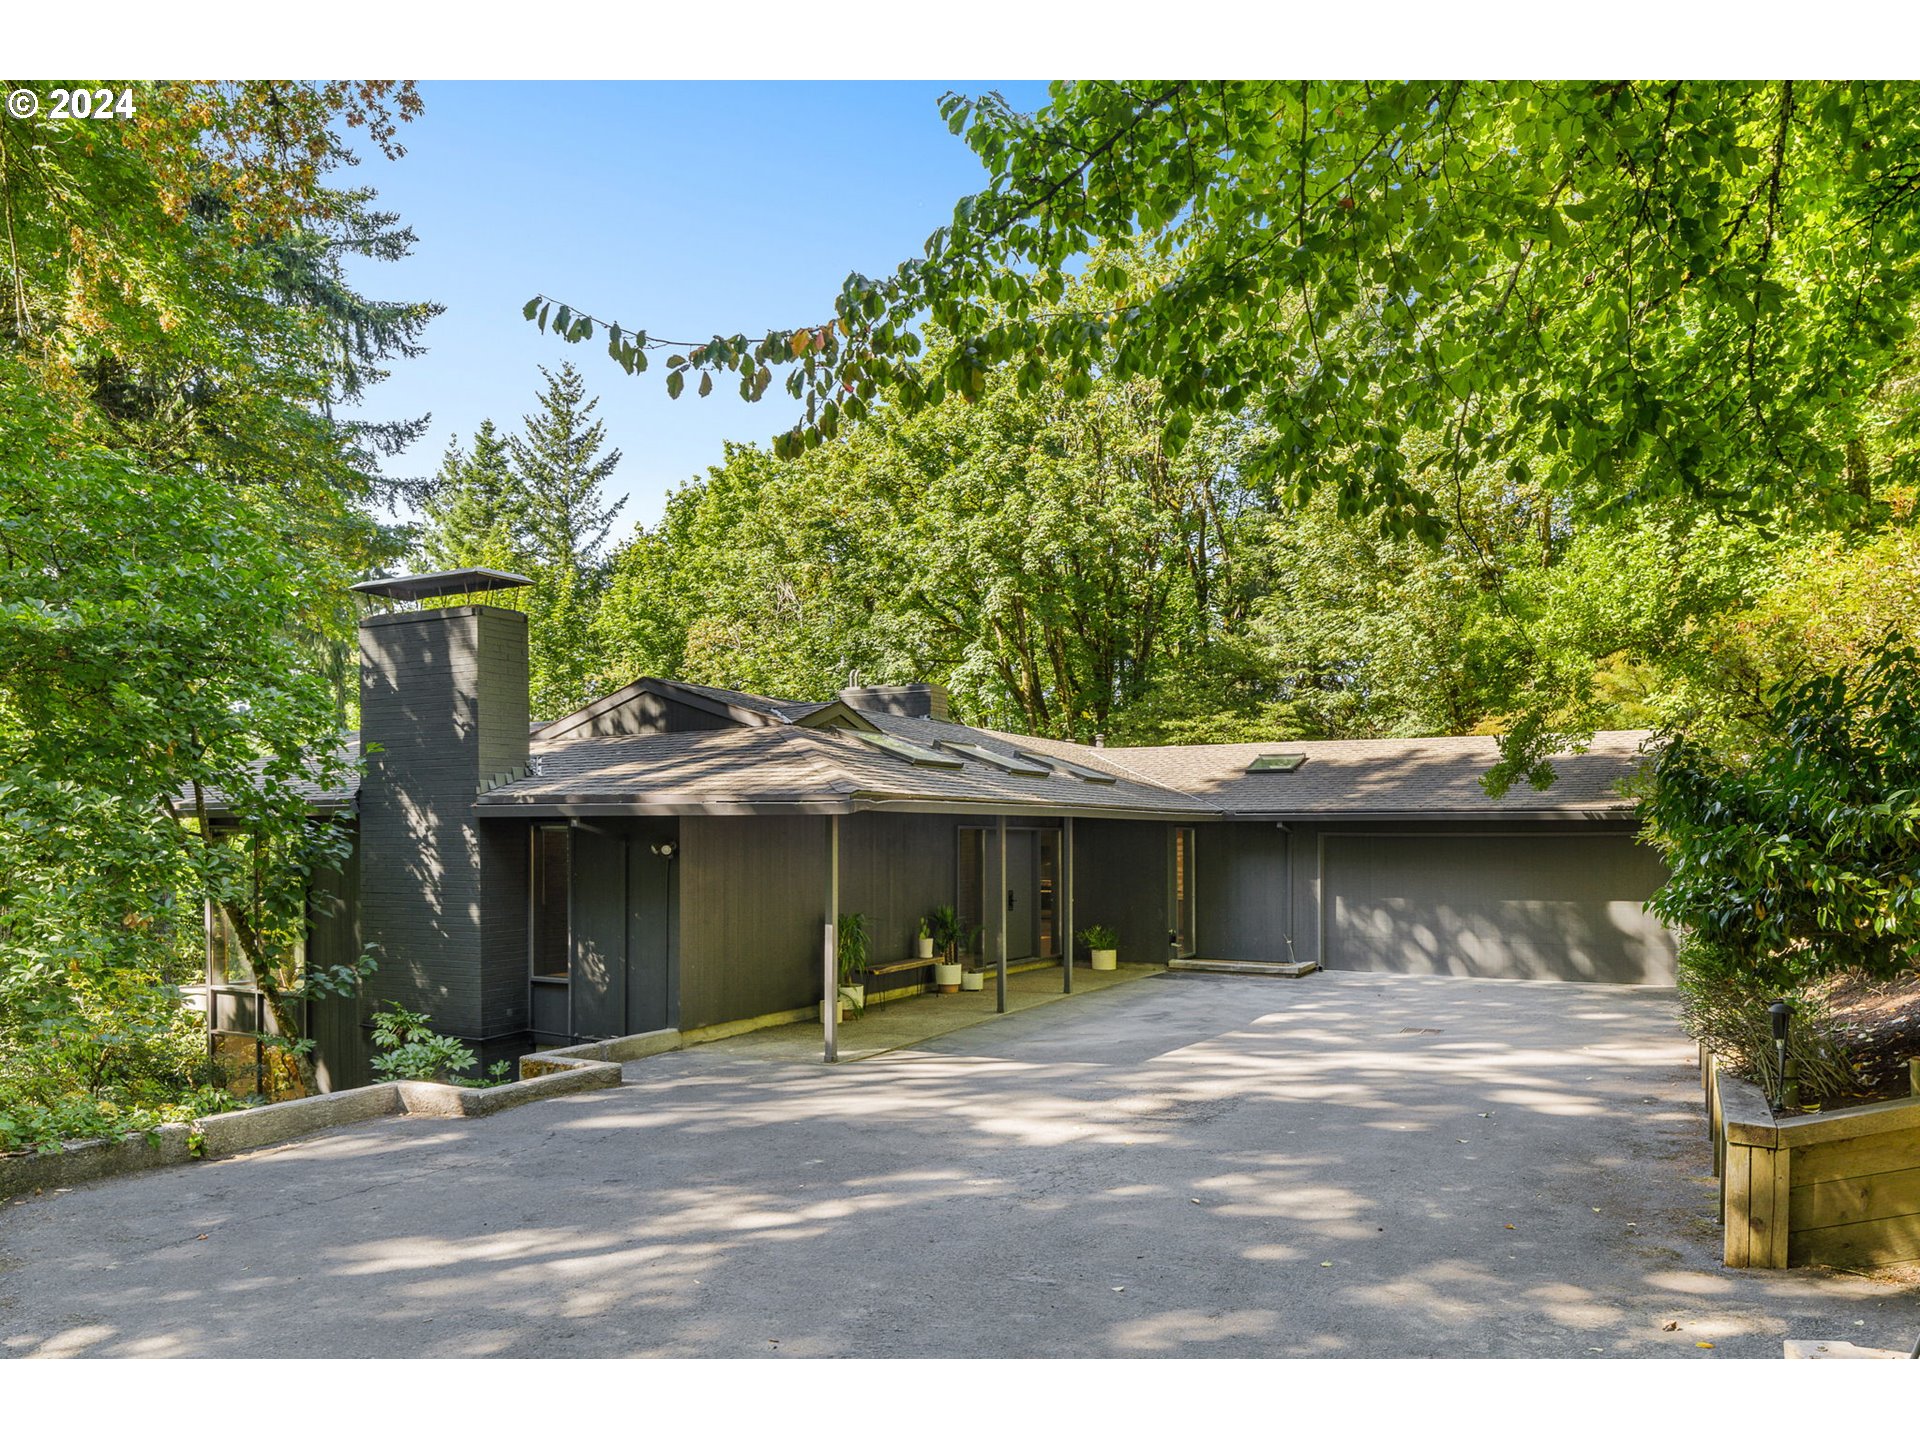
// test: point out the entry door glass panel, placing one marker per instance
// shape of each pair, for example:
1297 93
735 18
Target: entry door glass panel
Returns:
550 942
971 893
1049 892
1181 885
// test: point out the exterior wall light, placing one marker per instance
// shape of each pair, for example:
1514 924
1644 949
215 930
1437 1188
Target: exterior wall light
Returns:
665 849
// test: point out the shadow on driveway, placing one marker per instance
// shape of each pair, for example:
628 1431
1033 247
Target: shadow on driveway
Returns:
1196 1165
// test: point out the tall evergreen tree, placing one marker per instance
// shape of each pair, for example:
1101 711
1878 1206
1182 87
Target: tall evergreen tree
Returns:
561 470
475 508
533 503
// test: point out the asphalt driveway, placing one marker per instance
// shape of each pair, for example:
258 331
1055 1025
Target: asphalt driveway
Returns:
1191 1165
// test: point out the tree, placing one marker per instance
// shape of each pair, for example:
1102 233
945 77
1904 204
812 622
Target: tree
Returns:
180 510
561 471
1045 558
475 515
1640 298
1674 288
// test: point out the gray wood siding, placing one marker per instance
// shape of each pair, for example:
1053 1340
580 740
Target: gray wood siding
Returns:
333 938
752 906
645 714
598 925
1240 883
894 869
1120 880
504 864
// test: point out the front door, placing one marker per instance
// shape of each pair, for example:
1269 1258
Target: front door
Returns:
1023 894
620 933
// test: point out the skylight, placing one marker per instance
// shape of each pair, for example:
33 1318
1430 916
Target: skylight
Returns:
1012 764
1092 777
906 750
1285 764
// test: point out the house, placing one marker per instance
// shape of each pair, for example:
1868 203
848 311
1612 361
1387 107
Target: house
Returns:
669 855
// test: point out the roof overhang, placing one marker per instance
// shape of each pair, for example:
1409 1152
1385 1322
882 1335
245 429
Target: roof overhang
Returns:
604 805
473 581
1345 817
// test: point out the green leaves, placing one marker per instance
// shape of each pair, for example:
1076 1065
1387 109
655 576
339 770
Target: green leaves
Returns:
1325 242
1797 860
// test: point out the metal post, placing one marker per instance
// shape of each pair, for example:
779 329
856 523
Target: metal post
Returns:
1000 932
830 951
1066 904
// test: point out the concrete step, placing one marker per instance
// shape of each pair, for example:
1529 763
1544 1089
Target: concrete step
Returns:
1290 969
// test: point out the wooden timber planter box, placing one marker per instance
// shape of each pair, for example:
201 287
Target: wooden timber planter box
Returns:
1840 1189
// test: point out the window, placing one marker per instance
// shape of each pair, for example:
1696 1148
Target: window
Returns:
552 847
1284 764
226 961
1180 884
1012 764
1092 777
906 750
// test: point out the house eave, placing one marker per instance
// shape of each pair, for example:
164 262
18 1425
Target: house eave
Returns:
1616 814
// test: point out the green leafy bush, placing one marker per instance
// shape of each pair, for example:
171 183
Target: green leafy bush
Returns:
1099 937
413 1050
1801 859
1794 861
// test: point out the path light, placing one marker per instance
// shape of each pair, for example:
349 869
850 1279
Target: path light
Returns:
1782 1015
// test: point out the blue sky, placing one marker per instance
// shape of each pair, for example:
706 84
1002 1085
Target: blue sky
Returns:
680 208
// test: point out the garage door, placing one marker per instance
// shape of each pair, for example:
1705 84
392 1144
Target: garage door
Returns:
1548 907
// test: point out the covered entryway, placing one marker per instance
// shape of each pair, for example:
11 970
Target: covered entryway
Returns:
1542 905
1031 895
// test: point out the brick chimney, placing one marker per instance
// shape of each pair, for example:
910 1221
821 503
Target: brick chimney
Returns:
443 717
920 699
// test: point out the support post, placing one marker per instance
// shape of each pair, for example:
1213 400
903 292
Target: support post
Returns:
1000 930
830 951
1066 905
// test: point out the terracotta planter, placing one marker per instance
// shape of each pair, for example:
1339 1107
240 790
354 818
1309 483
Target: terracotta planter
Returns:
947 978
1106 959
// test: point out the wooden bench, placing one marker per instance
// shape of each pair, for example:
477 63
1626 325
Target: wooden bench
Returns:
897 967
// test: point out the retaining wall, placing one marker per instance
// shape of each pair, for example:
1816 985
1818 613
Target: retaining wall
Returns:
1839 1189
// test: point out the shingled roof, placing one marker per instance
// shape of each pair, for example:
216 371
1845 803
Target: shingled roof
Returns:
803 757
1381 778
791 768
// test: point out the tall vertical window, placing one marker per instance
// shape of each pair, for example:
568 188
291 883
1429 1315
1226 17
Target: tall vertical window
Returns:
1049 892
1181 886
972 889
550 939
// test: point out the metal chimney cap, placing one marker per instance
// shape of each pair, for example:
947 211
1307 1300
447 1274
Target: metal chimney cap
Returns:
444 582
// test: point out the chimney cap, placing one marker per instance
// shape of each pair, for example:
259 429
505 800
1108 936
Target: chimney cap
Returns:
443 582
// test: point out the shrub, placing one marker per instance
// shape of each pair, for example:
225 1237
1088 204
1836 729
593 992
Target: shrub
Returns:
414 1050
1801 859
1725 1008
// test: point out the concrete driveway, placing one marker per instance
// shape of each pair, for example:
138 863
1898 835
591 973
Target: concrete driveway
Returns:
1192 1165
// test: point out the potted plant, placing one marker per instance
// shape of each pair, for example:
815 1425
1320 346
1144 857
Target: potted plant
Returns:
943 929
923 945
1100 941
973 978
850 938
